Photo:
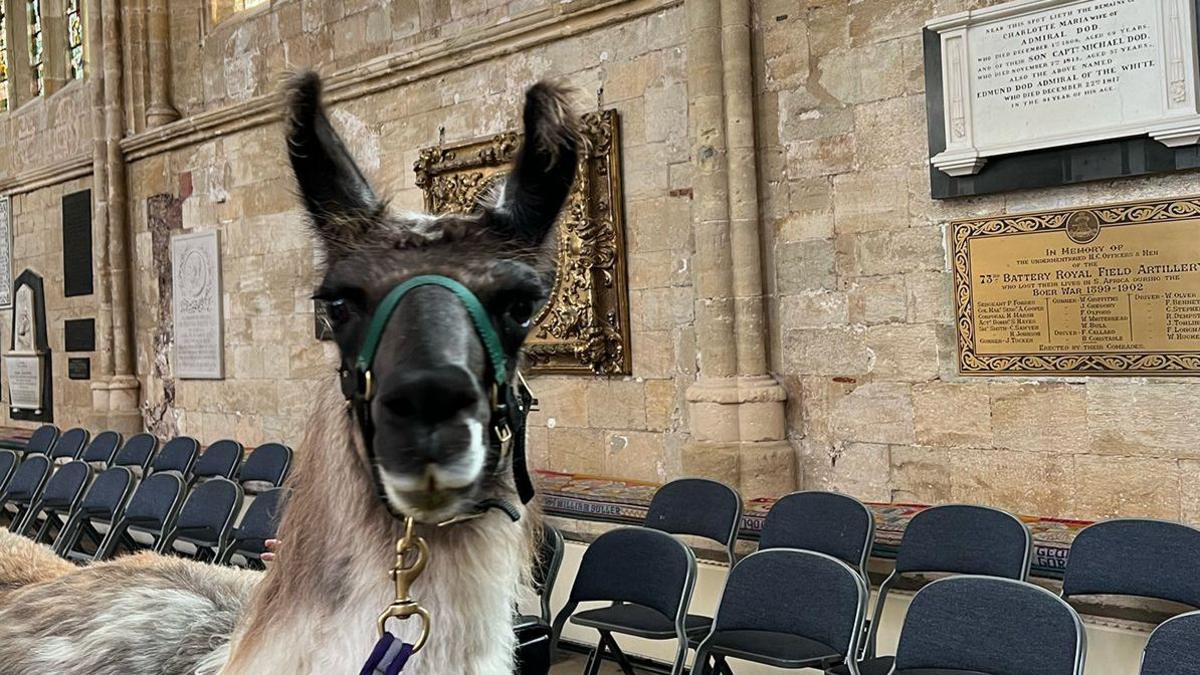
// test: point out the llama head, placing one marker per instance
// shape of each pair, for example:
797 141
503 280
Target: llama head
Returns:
432 405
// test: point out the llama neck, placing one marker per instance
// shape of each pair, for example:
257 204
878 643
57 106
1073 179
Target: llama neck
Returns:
316 608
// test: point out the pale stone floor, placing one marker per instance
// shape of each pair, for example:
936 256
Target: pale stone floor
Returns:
573 665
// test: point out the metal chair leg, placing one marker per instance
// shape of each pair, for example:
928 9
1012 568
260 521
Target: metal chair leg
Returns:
613 648
723 666
592 667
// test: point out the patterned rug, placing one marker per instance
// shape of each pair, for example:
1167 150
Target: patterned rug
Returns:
613 500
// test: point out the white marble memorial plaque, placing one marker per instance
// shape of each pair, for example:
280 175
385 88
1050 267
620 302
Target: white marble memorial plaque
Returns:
196 305
24 380
6 275
1037 74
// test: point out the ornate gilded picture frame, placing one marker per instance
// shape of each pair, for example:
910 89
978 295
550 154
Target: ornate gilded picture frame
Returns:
584 327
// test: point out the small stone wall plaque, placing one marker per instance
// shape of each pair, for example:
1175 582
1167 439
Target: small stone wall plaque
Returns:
1103 290
196 305
1035 74
79 368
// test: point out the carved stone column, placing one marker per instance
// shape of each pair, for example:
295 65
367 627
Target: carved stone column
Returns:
159 111
115 396
736 408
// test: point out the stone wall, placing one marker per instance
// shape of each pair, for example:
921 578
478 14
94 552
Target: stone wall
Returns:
863 328
859 302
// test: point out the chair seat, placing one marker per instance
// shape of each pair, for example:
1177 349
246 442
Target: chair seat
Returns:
199 535
881 665
773 649
638 621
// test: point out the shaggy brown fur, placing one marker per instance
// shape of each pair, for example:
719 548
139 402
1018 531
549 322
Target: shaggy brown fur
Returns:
23 563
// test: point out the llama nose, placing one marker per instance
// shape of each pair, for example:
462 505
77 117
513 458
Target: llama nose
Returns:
429 395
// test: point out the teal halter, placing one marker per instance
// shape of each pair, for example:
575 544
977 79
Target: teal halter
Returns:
509 407
479 317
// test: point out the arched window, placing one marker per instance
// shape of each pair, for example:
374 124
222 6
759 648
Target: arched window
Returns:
220 10
74 41
3 58
37 55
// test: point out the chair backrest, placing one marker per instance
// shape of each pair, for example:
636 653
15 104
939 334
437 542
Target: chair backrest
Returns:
550 548
638 565
70 444
27 483
8 465
178 455
209 510
1174 647
992 625
265 468
65 486
261 521
801 593
825 522
42 439
964 539
155 501
1134 557
101 451
108 494
137 453
697 506
219 460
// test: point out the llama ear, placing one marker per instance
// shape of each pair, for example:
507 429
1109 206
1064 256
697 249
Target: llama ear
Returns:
340 202
541 177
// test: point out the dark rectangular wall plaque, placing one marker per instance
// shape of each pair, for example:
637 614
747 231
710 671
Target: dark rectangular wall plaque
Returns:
79 335
77 243
79 368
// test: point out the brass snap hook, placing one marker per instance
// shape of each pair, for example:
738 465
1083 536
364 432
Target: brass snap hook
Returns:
404 575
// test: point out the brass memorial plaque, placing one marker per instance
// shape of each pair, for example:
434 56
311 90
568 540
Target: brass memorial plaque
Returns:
1106 290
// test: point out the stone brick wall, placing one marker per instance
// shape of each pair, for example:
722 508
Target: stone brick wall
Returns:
863 333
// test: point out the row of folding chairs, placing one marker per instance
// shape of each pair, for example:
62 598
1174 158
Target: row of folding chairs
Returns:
90 500
801 600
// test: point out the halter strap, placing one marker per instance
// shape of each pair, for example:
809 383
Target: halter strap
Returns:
479 317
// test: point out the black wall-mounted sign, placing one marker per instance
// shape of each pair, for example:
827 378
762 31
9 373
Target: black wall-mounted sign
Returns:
77 243
79 368
79 335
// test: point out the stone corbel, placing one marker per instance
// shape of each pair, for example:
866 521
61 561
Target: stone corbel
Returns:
1178 28
961 157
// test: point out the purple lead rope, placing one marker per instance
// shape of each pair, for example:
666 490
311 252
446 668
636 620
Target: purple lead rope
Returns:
388 657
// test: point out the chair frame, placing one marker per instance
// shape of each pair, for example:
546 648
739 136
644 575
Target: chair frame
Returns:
700 665
552 567
231 547
287 464
73 530
1062 594
18 518
25 451
1080 633
120 529
12 469
896 575
609 644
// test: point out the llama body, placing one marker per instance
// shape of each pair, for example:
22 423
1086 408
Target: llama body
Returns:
433 446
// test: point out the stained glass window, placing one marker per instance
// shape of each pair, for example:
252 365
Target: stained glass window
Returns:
74 39
3 59
37 61
223 9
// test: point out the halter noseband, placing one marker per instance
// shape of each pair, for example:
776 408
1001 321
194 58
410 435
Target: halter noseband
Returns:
509 407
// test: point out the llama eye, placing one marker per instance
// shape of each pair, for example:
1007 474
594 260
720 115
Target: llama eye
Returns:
520 312
338 310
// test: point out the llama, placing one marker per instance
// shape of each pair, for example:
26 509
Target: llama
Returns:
430 455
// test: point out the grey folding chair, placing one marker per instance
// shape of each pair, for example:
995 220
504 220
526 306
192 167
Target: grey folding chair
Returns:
788 608
25 488
69 446
248 539
8 466
101 452
951 539
102 506
826 522
1135 557
178 455
648 576
1174 647
969 625
148 517
265 468
53 508
41 440
202 530
219 460
699 507
137 453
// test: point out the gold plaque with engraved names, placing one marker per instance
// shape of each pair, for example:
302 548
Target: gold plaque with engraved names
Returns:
1103 290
